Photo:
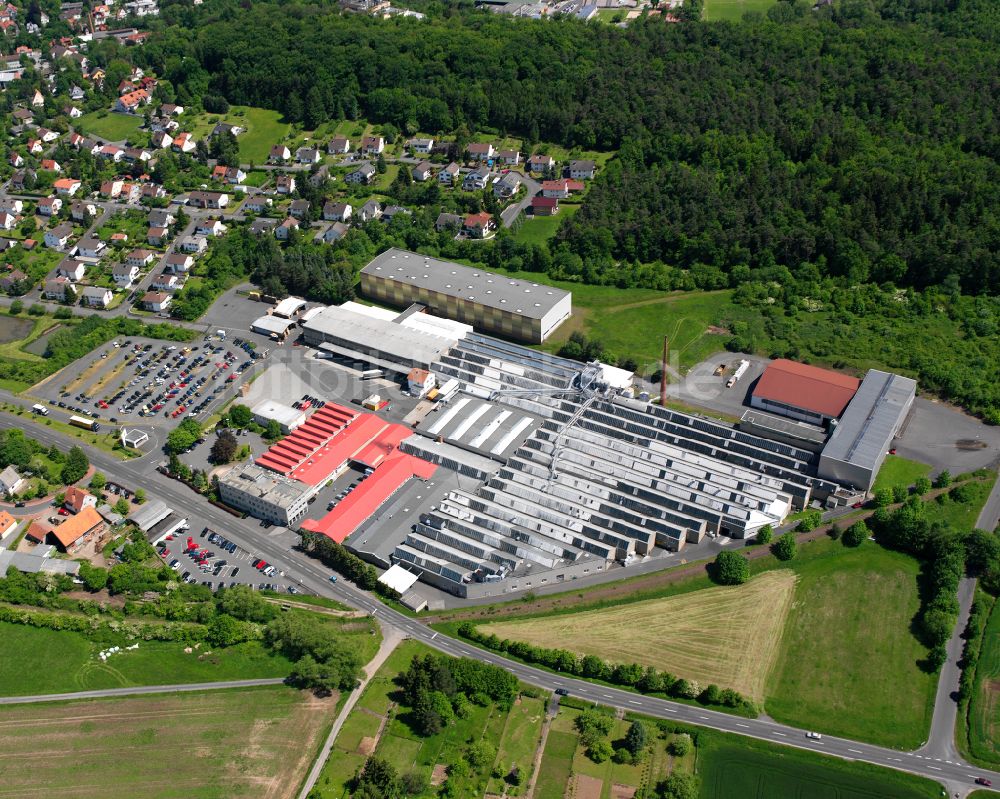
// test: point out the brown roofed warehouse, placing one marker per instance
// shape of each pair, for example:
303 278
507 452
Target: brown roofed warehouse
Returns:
803 392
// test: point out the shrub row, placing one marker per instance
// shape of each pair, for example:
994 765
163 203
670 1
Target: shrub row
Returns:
341 560
93 627
646 680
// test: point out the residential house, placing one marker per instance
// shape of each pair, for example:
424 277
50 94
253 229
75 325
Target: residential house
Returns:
423 171
225 127
337 212
59 289
194 244
279 154
71 269
16 160
12 279
112 188
37 101
334 232
299 208
479 152
362 175
171 109
320 176
155 301
421 146
131 102
284 184
59 236
82 210
284 231
308 155
157 236
48 136
581 170
370 210
208 199
258 204
134 154
262 225
12 205
49 206
35 146
152 191
50 165
90 247
166 281
184 143
67 187
160 217
22 177
210 227
124 275
507 186
23 116
96 297
178 262
77 531
229 174
540 163
11 482
477 179
544 206
556 189
372 145
339 145
76 94
7 221
478 226
161 139
111 152
449 174
509 157
139 258
390 212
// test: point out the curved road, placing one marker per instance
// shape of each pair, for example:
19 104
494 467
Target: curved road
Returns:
957 775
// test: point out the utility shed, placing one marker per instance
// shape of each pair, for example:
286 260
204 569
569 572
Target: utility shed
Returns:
285 415
864 434
272 326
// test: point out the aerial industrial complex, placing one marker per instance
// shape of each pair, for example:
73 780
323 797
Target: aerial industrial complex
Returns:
516 468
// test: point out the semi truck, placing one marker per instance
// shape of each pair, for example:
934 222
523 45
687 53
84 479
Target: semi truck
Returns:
741 370
86 424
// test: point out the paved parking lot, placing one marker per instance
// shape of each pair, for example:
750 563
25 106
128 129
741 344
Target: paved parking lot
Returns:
223 568
701 386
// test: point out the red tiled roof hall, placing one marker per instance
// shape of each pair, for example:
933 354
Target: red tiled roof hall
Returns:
803 386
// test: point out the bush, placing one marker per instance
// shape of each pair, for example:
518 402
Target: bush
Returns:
16 307
921 486
834 532
883 497
810 520
943 480
784 548
600 751
679 746
765 534
900 493
730 568
856 534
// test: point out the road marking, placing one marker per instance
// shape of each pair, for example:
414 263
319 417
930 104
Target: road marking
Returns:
775 732
633 702
607 696
703 718
745 726
936 768
670 710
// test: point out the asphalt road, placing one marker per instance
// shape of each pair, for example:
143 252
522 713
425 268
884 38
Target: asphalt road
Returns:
314 577
138 690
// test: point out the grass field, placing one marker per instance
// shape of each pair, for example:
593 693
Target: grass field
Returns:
39 661
729 636
755 770
539 229
214 745
109 125
960 515
733 10
984 704
848 662
897 471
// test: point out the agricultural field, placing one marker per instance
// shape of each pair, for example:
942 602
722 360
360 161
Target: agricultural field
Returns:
728 636
747 769
214 745
846 669
109 125
983 720
40 661
733 10
899 471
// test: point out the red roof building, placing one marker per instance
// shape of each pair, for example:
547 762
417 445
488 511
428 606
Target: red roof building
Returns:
803 392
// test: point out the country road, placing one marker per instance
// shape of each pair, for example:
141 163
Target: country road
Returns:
138 690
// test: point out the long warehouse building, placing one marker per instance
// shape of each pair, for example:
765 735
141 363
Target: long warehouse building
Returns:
496 304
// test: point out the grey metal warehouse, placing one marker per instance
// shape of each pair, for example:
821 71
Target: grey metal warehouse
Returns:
491 303
864 434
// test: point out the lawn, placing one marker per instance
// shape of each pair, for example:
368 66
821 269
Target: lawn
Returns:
539 229
109 125
848 663
38 661
733 10
756 770
897 471
214 745
264 130
518 743
557 765
729 636
983 725
960 515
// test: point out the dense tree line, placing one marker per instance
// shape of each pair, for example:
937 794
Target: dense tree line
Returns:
647 680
